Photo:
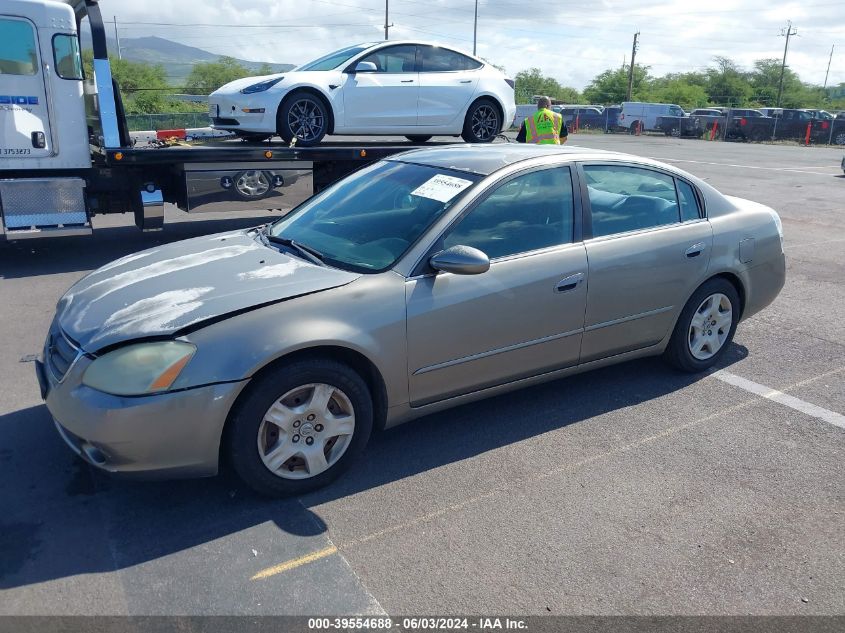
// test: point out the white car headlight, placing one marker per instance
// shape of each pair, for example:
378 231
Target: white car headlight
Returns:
139 369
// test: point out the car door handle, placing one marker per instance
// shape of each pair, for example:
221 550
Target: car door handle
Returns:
694 250
407 81
569 283
466 81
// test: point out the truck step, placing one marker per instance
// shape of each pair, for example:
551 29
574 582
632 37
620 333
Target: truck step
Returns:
43 207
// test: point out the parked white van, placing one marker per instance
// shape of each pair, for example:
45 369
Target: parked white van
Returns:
644 115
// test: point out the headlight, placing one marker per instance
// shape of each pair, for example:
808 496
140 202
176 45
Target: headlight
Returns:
139 369
261 87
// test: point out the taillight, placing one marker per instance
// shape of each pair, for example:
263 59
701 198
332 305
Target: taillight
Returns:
743 121
510 82
825 125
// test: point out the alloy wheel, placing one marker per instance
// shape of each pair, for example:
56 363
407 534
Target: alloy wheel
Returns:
306 431
710 326
306 120
484 122
252 183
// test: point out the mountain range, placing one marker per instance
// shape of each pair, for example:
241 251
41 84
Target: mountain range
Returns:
177 59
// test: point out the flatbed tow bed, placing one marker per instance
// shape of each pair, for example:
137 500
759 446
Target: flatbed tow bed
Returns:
67 154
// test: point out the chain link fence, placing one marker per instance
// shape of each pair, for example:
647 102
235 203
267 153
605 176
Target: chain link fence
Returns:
170 121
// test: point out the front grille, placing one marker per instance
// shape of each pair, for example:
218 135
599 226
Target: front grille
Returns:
61 353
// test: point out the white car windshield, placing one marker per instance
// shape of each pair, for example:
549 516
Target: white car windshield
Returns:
367 221
335 59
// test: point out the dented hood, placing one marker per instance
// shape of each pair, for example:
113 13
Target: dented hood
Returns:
166 289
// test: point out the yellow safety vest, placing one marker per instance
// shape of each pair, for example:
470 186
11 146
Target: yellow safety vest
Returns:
543 127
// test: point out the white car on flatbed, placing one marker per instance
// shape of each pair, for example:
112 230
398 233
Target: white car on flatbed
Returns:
412 89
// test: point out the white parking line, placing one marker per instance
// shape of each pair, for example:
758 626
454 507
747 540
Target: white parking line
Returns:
834 171
831 417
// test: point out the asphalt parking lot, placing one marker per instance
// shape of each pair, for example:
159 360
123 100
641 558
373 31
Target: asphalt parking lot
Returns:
629 490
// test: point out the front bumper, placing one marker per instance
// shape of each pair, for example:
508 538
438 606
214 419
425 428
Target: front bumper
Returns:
174 434
226 114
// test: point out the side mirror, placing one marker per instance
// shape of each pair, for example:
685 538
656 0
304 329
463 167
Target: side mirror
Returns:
460 260
365 67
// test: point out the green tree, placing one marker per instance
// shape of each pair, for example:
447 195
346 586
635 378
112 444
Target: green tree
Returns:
611 86
265 69
532 82
206 77
727 84
686 89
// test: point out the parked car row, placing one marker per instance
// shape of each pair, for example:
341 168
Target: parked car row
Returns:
757 124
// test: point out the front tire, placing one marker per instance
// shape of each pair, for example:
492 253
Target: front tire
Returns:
299 427
705 327
482 123
305 117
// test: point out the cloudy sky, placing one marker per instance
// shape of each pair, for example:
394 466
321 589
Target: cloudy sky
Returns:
571 40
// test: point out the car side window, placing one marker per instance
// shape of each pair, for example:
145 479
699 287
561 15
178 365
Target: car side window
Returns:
438 60
526 213
394 59
626 198
688 201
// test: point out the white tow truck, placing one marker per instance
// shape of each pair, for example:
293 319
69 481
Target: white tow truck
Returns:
66 154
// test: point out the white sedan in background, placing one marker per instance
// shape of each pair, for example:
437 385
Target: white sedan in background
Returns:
412 89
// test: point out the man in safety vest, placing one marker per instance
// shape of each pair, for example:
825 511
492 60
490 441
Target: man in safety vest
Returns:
544 127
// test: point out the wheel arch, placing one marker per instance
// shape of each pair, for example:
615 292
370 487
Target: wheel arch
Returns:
486 96
355 360
313 91
731 278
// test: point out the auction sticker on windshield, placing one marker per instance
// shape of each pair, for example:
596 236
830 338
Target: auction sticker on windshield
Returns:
441 187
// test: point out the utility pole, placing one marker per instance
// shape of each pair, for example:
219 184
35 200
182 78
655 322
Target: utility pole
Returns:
475 28
631 69
117 37
386 25
788 32
830 59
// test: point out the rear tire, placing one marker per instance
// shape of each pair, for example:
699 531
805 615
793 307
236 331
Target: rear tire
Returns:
482 123
283 423
705 327
303 116
839 139
419 139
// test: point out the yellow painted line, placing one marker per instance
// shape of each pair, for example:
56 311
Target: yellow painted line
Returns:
294 563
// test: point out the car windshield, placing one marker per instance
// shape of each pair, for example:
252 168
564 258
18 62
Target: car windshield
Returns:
676 111
368 220
335 59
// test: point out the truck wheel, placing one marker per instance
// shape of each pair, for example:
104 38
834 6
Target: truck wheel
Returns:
758 135
253 184
839 139
482 122
299 427
305 117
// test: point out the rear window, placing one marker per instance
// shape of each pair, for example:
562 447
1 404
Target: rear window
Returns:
18 53
436 59
66 54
